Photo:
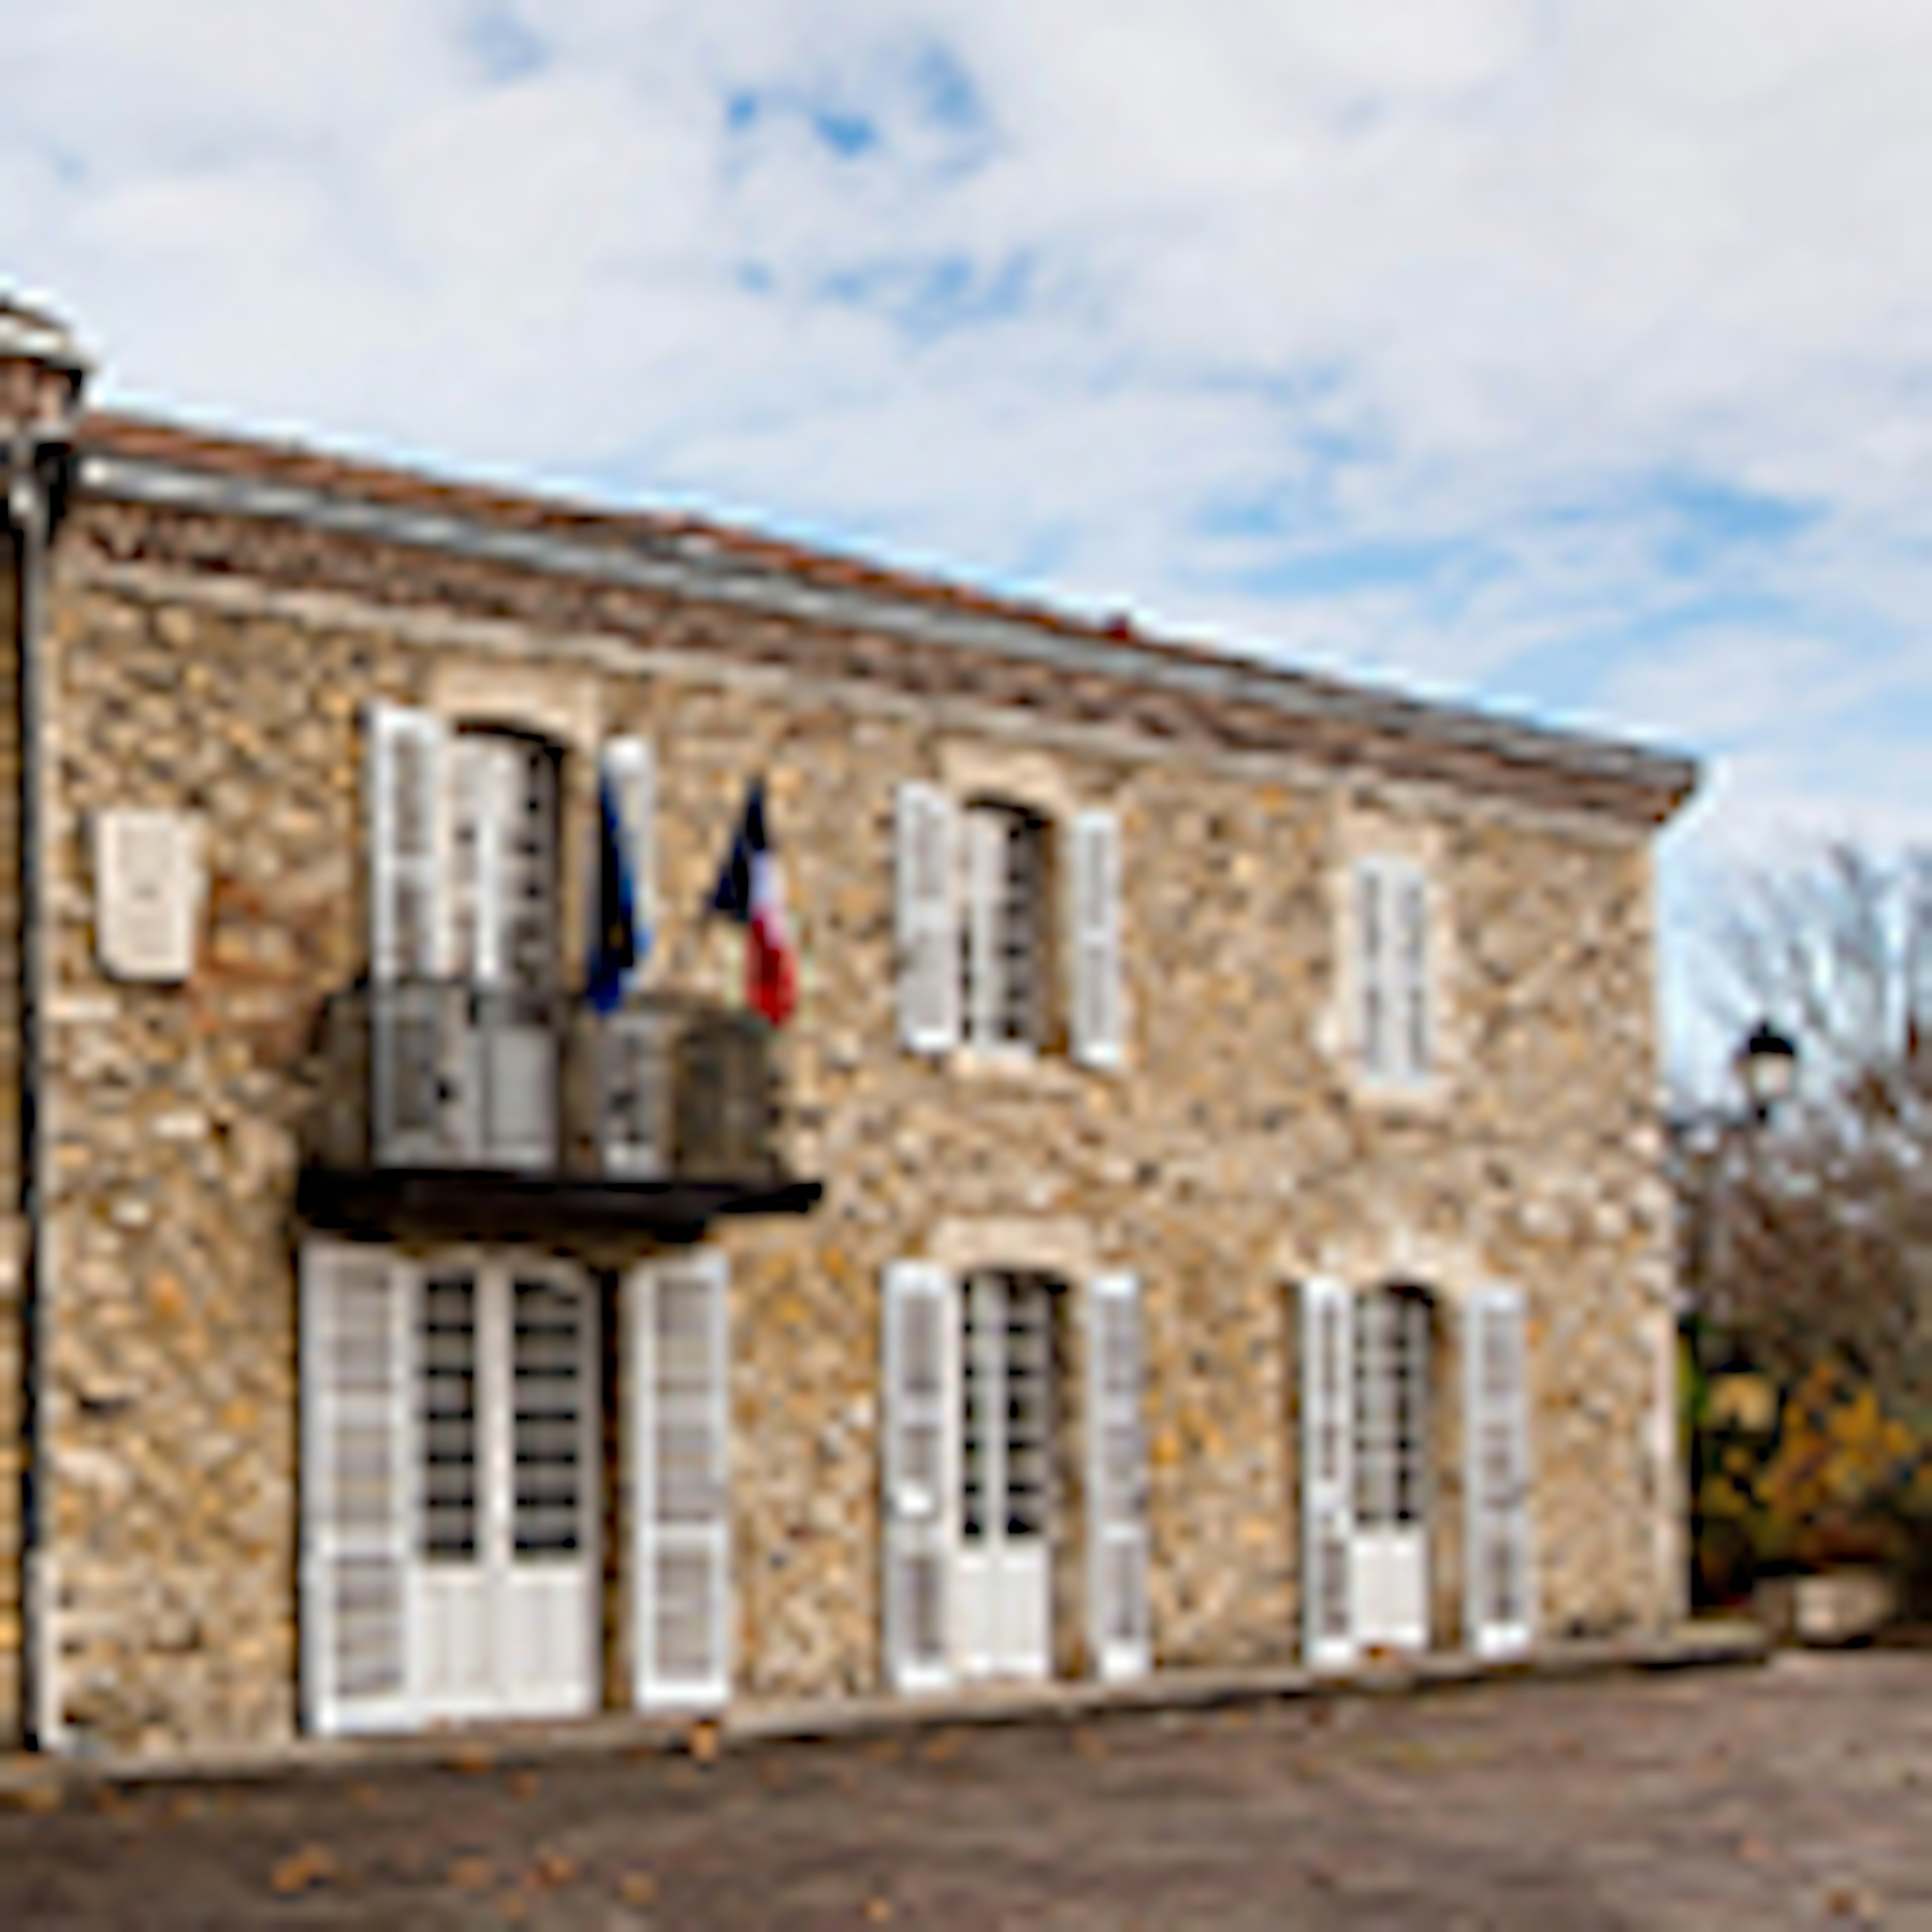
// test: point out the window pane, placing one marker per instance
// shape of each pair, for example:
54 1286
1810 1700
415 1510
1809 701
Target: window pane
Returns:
447 1411
1001 938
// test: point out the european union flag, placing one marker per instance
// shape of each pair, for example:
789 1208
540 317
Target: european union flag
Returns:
618 945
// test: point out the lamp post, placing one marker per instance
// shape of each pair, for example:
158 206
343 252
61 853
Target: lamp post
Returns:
1764 1066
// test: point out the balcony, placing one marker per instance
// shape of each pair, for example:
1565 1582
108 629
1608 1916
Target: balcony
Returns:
449 1111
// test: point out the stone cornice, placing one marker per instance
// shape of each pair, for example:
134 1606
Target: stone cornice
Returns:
436 629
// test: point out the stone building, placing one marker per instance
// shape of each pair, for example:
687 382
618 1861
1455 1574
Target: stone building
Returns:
1204 1210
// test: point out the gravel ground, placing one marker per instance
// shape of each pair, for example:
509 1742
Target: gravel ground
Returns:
1799 1794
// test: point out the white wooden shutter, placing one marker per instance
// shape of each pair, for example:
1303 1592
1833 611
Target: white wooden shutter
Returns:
928 944
1098 1021
1412 1000
630 765
357 1488
407 838
1328 1475
1116 1479
680 1370
418 1047
1500 1588
920 1349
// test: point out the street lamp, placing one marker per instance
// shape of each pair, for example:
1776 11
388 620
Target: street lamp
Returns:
1766 1066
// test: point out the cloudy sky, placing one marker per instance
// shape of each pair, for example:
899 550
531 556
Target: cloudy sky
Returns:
1572 355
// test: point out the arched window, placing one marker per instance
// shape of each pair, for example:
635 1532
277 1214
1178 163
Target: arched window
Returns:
503 860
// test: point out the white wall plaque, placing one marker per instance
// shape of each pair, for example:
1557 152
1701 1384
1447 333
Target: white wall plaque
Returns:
147 893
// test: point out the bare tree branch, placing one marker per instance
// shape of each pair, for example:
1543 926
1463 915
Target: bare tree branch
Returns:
1816 1237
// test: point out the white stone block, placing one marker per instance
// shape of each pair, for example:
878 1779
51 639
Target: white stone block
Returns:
149 889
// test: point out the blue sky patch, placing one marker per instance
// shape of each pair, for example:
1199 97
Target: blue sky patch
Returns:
1348 568
1704 520
929 297
1900 715
840 130
505 44
928 91
945 92
1287 549
847 135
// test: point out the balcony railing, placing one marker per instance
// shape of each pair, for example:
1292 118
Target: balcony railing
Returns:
435 1075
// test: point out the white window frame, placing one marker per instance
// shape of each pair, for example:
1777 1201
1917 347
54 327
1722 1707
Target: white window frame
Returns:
439 892
923 1341
951 967
354 1405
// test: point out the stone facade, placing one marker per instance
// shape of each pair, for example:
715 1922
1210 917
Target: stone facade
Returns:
12 1418
1232 1156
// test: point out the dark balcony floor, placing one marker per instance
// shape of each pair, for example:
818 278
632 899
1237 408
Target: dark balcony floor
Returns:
499 1205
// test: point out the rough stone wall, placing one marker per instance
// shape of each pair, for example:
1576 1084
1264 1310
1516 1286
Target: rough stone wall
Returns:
172 1408
1231 1157
12 1419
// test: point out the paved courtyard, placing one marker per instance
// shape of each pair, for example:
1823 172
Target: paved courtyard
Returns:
1799 1794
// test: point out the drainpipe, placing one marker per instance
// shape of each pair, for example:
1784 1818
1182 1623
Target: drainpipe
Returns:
41 376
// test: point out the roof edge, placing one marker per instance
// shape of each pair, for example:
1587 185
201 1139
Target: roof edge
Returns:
34 336
686 559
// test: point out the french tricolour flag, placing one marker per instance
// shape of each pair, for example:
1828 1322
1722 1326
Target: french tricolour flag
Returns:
750 891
